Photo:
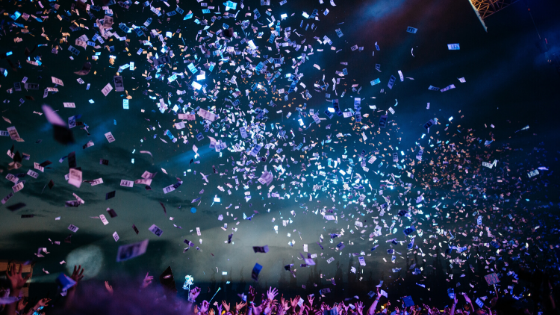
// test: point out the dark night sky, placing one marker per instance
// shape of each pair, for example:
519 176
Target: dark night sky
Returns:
509 84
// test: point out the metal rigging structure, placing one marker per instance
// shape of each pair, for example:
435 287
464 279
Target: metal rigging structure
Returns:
485 8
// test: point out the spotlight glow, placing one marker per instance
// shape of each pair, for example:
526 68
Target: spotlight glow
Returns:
89 257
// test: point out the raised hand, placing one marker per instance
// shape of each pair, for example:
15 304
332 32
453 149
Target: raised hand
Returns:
344 306
252 294
108 287
271 293
310 299
204 307
21 305
226 306
16 280
147 280
339 308
268 307
220 309
284 304
239 306
77 274
42 303
257 310
359 307
294 302
193 294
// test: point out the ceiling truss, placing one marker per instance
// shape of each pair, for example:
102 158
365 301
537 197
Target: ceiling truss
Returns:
486 8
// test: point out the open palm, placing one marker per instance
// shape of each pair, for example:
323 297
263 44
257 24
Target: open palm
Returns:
16 280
